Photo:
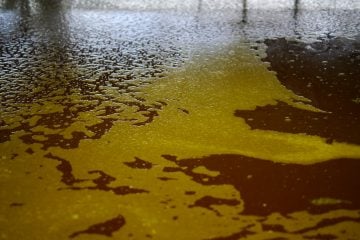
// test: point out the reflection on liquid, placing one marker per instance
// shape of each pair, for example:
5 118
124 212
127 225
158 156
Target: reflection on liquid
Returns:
325 72
301 186
119 123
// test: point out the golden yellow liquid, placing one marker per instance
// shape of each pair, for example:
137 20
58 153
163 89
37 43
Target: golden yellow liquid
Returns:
197 120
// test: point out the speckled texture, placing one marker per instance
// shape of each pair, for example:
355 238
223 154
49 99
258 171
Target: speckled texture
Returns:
184 120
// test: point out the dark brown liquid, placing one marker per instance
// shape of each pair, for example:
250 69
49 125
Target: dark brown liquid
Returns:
327 73
267 187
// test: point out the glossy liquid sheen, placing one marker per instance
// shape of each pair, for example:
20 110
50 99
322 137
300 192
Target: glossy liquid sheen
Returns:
192 123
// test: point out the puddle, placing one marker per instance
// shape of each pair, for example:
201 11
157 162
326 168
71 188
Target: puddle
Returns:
325 72
123 122
267 187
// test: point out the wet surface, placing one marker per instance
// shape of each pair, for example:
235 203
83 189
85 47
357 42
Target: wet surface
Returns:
179 120
327 72
268 187
101 183
106 228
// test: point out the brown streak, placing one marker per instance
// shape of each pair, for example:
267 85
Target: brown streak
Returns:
139 163
106 228
65 168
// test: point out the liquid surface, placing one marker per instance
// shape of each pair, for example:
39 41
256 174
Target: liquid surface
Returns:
191 120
